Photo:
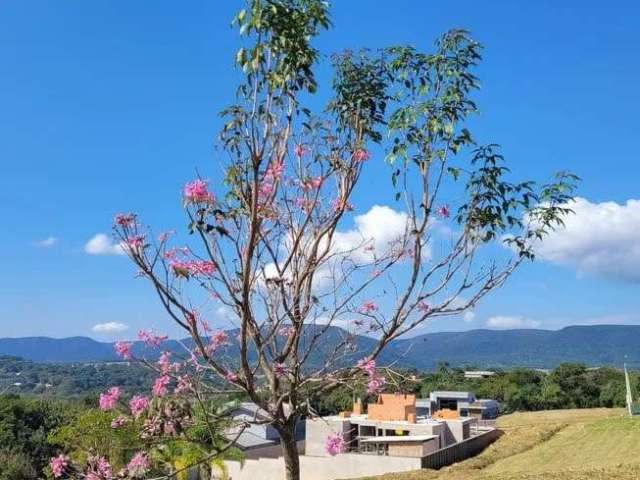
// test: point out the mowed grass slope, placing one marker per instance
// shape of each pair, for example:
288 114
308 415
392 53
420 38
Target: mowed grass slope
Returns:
599 444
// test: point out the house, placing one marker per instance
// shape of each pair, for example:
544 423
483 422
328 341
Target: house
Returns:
476 374
257 439
388 436
446 404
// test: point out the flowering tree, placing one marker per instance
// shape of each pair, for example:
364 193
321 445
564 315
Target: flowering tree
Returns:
269 247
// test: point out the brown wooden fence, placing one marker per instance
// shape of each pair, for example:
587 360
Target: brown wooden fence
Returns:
460 451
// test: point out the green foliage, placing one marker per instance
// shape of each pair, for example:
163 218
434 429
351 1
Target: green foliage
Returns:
24 427
91 432
71 379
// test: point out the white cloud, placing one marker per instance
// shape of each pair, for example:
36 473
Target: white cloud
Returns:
46 242
110 327
501 322
600 239
469 316
373 233
101 244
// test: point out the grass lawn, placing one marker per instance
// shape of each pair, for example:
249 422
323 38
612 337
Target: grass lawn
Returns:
598 444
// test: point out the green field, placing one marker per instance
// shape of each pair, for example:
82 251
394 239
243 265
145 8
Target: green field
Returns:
600 444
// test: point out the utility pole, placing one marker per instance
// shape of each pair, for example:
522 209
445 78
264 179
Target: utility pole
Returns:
629 396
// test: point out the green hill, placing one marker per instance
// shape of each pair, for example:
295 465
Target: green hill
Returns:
593 444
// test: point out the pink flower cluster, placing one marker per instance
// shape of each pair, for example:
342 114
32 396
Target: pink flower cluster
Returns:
160 386
368 365
299 150
286 331
150 339
231 377
109 400
138 404
335 444
375 382
139 465
268 183
123 349
183 385
125 219
311 184
340 205
368 307
59 465
135 242
202 268
103 468
119 421
197 192
279 369
217 340
443 211
360 155
423 307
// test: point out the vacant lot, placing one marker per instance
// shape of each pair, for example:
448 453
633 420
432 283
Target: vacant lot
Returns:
599 444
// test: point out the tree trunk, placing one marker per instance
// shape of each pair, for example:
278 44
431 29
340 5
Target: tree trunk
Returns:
290 452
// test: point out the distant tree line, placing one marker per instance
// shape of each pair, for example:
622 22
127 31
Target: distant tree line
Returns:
570 385
70 379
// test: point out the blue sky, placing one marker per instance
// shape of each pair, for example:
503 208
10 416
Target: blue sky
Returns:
109 106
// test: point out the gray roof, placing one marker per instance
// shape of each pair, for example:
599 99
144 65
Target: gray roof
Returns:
248 440
451 394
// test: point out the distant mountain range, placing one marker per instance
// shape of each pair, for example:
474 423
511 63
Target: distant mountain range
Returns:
592 345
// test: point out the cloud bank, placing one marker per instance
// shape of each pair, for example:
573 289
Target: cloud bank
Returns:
600 239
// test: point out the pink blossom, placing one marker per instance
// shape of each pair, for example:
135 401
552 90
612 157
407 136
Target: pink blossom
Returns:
184 384
368 307
218 339
109 399
360 155
197 192
311 183
304 204
125 219
203 268
375 384
138 404
104 468
279 369
286 331
135 242
150 339
340 205
59 465
443 211
335 444
275 170
299 150
123 349
119 421
368 365
138 465
160 386
423 307
231 377
164 363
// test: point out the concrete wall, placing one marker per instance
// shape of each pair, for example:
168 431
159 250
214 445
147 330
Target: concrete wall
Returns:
317 431
270 451
343 466
413 449
458 430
